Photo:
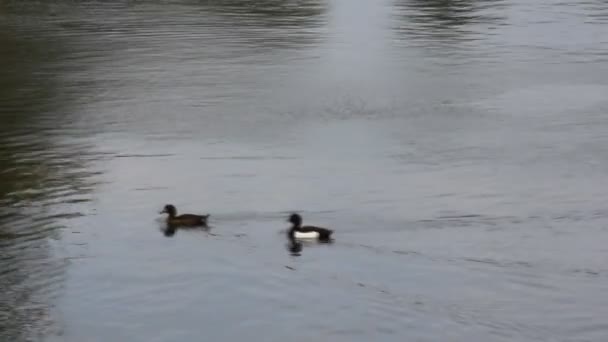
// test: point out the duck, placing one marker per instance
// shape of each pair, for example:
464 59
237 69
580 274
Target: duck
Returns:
297 231
190 220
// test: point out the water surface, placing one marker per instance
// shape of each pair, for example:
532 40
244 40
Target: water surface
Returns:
457 148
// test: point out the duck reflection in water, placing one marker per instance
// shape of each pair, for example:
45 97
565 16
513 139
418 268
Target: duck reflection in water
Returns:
169 231
294 247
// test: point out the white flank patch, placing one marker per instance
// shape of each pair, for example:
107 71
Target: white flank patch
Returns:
307 235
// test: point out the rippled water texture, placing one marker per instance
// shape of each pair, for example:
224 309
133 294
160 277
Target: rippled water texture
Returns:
459 149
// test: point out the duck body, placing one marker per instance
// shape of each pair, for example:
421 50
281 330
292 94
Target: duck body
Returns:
298 231
311 232
188 220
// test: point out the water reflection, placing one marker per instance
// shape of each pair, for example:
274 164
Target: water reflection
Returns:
149 67
170 230
44 181
294 247
269 23
437 22
263 23
269 12
597 11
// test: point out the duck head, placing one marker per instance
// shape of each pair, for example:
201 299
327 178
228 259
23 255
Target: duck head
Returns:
295 219
169 209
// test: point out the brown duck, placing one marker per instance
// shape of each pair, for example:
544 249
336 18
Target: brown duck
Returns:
190 220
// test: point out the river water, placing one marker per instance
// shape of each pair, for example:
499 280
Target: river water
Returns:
459 149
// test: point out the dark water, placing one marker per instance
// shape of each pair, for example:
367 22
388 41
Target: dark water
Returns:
459 149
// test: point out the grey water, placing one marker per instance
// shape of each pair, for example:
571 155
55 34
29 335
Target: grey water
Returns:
458 149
